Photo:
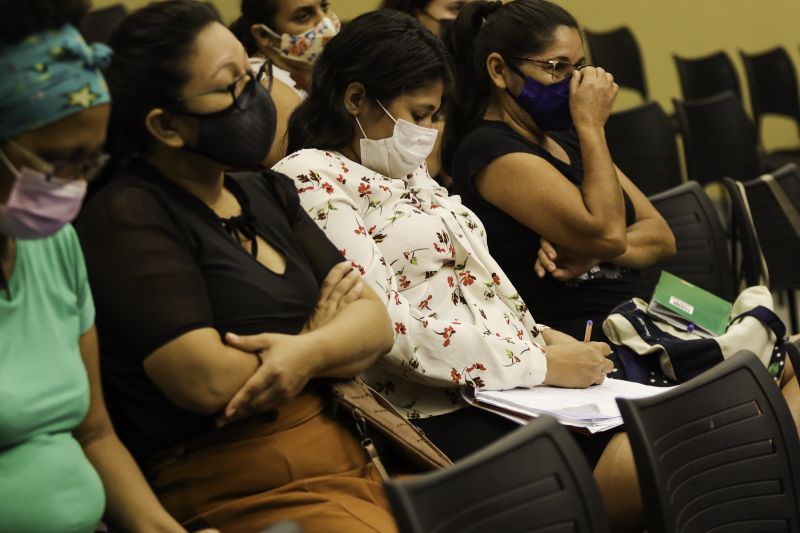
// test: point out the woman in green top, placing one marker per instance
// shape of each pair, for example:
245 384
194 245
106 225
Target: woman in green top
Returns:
54 106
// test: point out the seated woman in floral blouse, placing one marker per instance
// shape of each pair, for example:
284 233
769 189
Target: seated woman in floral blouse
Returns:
357 145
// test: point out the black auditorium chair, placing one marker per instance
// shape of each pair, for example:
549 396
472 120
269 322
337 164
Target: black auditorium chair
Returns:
534 479
718 453
618 52
719 140
707 76
702 254
772 80
642 144
772 202
98 24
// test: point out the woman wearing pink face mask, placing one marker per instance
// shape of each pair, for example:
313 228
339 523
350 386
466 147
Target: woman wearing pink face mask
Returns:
58 449
289 34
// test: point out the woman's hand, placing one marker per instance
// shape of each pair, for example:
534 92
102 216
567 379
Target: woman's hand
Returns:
288 362
577 365
591 96
342 286
562 266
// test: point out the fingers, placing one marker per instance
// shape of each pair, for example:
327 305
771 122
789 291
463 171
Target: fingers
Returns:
261 402
250 343
339 271
255 385
347 284
548 249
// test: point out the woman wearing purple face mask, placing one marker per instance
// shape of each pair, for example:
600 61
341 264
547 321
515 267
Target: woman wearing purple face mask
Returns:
526 147
58 450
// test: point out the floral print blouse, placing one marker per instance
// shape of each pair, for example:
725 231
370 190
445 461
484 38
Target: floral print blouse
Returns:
457 319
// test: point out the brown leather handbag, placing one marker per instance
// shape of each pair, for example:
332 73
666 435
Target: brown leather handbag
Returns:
375 417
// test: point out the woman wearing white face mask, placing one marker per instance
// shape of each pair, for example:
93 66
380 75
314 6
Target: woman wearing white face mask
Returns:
290 34
359 144
58 449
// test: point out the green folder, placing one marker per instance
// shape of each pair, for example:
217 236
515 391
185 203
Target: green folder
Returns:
681 303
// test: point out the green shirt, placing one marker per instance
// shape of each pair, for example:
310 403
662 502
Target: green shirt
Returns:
46 482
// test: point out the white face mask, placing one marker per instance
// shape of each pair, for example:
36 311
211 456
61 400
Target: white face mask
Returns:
402 153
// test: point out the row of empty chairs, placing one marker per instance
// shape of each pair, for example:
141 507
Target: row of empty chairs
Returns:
718 453
719 138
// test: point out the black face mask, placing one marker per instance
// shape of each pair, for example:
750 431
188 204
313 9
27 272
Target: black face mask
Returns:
446 32
239 136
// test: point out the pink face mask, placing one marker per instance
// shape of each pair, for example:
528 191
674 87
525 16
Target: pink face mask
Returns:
39 205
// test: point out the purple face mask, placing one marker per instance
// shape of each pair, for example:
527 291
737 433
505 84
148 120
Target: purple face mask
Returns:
548 105
39 205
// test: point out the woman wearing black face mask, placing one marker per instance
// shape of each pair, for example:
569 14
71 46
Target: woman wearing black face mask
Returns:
436 15
188 263
569 228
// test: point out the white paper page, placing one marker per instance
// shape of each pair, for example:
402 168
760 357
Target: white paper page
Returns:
592 404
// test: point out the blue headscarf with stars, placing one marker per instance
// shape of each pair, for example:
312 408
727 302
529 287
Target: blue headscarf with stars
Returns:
48 76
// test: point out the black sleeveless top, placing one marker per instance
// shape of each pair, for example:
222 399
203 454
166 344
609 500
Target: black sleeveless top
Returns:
161 263
563 306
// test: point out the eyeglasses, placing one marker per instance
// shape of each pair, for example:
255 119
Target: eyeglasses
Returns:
557 68
237 86
87 170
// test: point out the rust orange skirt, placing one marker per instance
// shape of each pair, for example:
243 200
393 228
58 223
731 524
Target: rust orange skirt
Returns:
301 466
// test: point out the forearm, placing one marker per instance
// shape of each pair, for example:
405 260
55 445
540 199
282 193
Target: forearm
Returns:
131 505
649 243
601 190
353 340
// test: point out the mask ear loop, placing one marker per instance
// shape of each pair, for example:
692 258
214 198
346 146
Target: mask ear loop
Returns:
386 111
362 129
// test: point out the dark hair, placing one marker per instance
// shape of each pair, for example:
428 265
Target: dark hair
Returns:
520 27
254 12
387 51
21 19
406 6
150 48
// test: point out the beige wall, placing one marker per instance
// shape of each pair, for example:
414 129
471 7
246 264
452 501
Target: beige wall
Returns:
663 27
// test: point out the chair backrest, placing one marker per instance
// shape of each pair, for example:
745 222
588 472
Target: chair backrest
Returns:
744 237
719 139
773 84
642 144
718 453
98 24
618 52
534 479
706 76
779 241
702 254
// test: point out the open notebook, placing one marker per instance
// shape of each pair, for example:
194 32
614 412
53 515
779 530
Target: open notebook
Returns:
593 409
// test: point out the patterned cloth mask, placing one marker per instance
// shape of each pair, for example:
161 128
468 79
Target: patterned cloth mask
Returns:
307 46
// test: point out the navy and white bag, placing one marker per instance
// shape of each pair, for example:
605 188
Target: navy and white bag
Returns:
651 351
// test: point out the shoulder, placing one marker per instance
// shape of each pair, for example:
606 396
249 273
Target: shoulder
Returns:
311 168
58 255
271 184
484 143
126 199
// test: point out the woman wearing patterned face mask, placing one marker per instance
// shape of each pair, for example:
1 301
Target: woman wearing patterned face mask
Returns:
58 449
289 34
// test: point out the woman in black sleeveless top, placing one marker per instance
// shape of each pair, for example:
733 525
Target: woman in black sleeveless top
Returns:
527 151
